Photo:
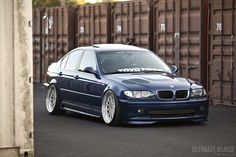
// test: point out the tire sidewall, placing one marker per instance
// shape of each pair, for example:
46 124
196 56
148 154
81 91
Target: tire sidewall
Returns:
116 117
56 109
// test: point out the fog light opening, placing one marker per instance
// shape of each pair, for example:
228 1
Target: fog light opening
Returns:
202 108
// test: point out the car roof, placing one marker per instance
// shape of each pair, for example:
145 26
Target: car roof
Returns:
112 47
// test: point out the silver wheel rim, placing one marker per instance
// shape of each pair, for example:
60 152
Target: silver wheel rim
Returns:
108 109
51 99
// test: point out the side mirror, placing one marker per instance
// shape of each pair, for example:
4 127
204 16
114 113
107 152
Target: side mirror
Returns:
174 69
92 71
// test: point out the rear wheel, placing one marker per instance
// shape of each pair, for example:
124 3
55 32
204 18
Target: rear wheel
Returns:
110 109
53 100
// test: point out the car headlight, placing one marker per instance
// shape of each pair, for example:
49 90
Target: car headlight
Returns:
198 92
138 94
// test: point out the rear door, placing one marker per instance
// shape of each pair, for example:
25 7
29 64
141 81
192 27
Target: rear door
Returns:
69 73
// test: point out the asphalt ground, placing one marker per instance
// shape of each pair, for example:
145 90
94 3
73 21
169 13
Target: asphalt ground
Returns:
75 135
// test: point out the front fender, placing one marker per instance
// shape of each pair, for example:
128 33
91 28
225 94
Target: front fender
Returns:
53 81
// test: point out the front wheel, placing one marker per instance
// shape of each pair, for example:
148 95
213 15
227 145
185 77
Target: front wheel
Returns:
53 100
110 109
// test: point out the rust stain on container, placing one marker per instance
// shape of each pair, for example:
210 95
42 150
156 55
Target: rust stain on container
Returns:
180 36
56 26
16 90
131 23
23 102
92 24
221 58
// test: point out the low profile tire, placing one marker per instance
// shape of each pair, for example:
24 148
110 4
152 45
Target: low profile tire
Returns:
53 101
110 109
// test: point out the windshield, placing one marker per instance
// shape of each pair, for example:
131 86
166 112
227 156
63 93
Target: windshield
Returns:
131 62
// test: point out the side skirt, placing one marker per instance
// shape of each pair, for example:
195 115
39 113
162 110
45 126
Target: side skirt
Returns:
88 114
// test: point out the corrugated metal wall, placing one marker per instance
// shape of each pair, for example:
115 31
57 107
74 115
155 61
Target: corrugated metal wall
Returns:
92 24
52 38
37 44
180 37
222 53
131 23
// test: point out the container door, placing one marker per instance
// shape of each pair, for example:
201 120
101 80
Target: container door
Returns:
180 36
221 67
92 24
132 24
37 45
57 29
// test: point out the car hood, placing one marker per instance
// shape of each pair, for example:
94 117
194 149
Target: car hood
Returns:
155 81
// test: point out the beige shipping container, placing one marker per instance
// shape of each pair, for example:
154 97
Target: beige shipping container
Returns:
16 90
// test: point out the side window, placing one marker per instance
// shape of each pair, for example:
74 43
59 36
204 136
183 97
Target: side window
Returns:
74 60
88 60
63 62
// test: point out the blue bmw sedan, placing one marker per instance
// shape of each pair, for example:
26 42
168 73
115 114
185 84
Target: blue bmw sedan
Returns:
123 84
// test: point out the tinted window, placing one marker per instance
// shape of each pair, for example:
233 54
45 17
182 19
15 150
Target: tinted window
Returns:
88 60
63 62
131 61
74 59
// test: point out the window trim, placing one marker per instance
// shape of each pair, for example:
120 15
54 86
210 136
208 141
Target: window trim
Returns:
95 57
64 57
77 65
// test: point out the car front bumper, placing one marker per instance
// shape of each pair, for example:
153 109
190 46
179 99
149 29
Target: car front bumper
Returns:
141 112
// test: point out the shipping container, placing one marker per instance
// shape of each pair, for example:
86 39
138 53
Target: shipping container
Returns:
37 44
56 26
16 87
222 54
92 24
131 23
180 36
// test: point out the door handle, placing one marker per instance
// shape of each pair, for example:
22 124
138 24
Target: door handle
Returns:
76 77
